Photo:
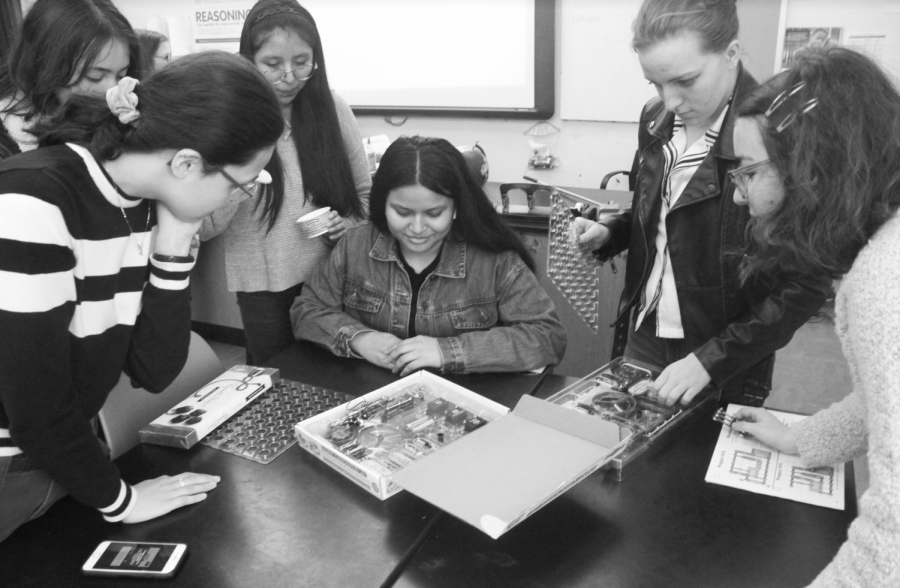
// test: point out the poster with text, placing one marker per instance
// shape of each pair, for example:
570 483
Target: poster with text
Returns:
217 24
798 40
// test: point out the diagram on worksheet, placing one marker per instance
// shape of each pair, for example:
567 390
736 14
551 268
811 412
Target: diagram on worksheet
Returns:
748 464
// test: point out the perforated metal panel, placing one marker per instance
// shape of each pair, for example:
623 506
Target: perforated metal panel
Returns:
573 268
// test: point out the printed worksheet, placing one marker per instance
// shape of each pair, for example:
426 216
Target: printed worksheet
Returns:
749 464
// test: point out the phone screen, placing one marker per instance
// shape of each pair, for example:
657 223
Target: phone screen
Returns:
135 557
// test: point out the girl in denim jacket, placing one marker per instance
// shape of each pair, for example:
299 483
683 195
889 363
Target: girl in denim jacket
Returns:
436 280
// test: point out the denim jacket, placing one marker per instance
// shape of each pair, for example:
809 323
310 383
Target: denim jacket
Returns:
487 310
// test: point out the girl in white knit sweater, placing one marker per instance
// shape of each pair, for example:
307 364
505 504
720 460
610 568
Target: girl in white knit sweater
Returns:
819 154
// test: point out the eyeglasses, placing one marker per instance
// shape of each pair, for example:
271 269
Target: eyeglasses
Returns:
240 191
263 178
301 73
740 175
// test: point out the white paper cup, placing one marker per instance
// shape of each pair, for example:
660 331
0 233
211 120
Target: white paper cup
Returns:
313 224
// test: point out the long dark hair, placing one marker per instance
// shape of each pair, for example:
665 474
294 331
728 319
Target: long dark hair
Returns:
714 21
213 102
439 166
327 174
839 162
57 38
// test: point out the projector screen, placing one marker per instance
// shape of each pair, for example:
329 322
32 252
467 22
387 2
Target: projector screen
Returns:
440 57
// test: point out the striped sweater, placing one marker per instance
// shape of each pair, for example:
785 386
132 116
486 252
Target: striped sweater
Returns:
79 304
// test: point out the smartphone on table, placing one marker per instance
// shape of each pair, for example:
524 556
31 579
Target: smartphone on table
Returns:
135 559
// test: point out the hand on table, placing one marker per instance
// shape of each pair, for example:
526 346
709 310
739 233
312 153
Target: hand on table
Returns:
166 493
373 347
682 379
587 233
760 423
336 225
413 354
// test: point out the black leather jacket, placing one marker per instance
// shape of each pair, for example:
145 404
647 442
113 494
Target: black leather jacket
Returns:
732 329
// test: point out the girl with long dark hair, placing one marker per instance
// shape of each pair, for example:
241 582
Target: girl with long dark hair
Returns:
80 46
95 235
320 161
437 280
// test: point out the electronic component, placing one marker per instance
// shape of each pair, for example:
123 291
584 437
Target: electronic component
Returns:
473 424
438 407
457 416
617 403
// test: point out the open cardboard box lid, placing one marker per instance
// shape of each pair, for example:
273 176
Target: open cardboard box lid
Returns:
497 476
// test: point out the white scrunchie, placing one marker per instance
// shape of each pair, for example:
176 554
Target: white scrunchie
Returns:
123 101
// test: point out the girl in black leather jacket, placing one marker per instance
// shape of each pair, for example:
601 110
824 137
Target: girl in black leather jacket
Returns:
683 306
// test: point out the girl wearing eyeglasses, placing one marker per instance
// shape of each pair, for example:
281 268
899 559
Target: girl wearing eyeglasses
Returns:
320 161
156 50
683 307
95 235
82 46
824 194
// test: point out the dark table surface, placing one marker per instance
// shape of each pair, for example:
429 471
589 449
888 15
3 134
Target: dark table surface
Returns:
297 522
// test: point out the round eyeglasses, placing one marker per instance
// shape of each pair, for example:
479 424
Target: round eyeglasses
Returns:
301 73
243 191
741 176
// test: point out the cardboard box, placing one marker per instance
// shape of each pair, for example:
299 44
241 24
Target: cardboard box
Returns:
189 421
493 477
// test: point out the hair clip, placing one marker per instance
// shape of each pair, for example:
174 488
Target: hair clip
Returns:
274 11
791 117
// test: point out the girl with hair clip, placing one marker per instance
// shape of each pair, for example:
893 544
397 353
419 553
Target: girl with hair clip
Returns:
65 46
437 280
819 148
156 51
95 236
319 162
683 307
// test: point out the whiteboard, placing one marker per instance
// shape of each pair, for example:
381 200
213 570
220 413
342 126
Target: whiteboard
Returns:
601 78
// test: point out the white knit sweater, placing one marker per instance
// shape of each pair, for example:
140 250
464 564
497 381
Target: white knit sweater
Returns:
868 325
259 261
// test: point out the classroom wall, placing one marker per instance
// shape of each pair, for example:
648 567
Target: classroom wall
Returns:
586 150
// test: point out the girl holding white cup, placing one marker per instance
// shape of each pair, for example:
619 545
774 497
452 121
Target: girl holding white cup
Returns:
319 163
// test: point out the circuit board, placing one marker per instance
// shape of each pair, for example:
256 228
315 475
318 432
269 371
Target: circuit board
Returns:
392 432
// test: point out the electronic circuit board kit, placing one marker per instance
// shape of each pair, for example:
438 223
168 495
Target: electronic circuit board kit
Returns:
375 435
621 392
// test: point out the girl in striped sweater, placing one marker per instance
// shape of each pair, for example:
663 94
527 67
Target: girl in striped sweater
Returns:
95 236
